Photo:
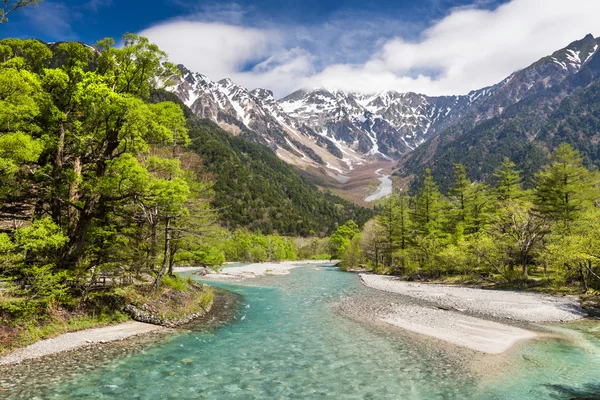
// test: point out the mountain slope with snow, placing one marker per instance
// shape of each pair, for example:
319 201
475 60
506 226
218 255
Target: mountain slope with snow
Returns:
331 133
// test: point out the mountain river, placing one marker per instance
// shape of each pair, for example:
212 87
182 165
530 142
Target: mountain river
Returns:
286 341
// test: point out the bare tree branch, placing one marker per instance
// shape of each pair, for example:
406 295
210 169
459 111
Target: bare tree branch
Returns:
9 6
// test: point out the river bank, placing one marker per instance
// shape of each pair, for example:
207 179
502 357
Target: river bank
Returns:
485 321
160 313
147 322
75 354
74 340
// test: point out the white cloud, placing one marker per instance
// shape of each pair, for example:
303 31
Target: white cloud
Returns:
212 48
283 72
468 49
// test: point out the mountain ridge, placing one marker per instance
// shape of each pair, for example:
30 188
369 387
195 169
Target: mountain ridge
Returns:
338 135
526 131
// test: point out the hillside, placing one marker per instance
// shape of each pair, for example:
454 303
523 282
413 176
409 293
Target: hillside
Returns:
526 131
255 189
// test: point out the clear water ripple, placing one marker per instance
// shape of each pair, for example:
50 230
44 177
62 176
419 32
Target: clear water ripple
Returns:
287 343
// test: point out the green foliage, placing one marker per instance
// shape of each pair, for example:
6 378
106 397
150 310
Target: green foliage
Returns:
244 245
312 248
509 181
90 171
496 234
428 215
351 255
565 188
341 238
174 283
42 237
575 256
18 308
10 6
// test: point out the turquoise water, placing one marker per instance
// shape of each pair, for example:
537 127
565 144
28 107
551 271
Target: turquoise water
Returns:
286 342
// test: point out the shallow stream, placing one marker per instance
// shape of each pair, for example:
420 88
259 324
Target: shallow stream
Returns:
287 342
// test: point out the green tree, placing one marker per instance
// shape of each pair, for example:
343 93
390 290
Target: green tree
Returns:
575 256
395 226
388 219
480 208
520 232
373 242
460 192
341 238
565 188
428 214
351 255
509 181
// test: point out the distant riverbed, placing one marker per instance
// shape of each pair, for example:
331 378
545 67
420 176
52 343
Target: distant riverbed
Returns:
384 189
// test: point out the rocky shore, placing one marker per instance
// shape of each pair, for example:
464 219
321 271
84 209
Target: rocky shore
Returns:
74 340
484 321
511 305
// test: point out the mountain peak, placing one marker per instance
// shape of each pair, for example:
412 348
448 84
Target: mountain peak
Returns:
263 94
578 51
226 82
336 131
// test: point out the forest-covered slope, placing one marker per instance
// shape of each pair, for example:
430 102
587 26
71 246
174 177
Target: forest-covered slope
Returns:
526 132
255 189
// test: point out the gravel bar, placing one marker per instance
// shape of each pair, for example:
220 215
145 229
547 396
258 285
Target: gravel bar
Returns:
517 306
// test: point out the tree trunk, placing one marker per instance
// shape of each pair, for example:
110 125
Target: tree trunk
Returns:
74 195
165 263
583 280
172 251
79 232
55 203
153 243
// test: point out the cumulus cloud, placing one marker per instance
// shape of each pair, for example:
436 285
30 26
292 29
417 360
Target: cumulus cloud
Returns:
469 48
212 48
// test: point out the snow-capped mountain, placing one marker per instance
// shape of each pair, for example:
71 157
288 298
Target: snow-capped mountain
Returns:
335 131
257 115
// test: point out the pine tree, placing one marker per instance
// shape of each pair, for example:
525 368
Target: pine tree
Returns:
459 192
479 208
388 220
509 181
428 208
564 188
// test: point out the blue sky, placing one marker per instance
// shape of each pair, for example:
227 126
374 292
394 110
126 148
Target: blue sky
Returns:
429 46
91 20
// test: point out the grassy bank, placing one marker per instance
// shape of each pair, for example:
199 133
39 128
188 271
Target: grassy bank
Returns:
25 320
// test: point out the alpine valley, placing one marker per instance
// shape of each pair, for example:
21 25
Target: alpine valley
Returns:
347 141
